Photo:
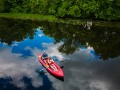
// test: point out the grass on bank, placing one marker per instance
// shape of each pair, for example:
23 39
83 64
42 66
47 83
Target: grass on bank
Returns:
52 18
38 17
28 16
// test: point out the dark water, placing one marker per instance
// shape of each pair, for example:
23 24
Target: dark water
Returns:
91 56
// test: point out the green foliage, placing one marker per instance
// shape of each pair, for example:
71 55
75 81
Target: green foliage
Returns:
89 8
104 12
63 9
29 16
53 8
75 11
97 9
1 6
33 4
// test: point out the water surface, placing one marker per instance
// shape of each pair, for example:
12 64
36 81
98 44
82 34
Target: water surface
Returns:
91 56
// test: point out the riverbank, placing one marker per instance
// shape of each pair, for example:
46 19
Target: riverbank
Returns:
28 16
52 18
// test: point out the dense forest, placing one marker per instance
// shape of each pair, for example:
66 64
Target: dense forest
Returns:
92 9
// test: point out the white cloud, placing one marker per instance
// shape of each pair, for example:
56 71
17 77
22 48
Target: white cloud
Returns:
79 73
52 50
4 43
99 84
17 67
40 35
15 44
82 77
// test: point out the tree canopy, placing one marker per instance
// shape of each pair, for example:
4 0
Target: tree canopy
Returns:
95 9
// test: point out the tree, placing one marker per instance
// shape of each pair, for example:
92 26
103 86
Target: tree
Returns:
2 5
74 11
96 9
63 9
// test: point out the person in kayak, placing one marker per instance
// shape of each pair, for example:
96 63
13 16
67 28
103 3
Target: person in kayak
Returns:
48 61
45 57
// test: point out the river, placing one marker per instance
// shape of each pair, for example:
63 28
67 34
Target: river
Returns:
90 55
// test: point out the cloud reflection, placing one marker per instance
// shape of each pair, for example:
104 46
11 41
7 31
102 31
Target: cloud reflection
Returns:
83 70
82 75
17 67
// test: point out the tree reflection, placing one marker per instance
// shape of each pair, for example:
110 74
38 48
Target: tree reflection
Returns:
105 40
16 30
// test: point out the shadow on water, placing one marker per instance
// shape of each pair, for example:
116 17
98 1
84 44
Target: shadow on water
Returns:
43 73
60 78
6 84
105 40
47 84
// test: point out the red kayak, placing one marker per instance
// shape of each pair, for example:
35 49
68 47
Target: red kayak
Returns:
52 67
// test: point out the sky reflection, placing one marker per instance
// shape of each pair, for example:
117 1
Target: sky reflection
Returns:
83 69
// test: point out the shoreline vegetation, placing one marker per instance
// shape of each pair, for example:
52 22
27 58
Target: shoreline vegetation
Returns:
51 18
